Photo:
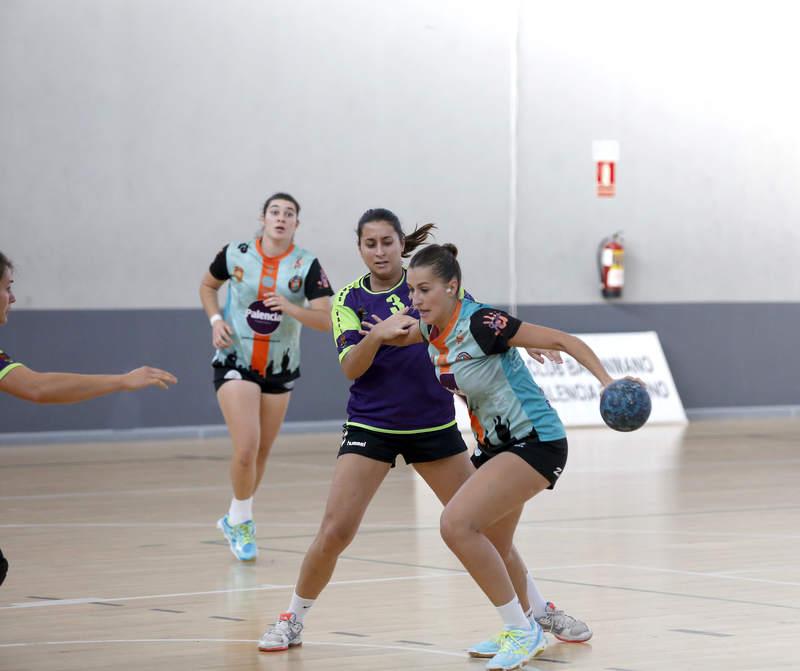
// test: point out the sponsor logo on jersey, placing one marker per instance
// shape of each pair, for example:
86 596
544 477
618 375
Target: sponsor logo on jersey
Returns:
357 443
496 322
459 338
323 282
262 319
295 284
341 341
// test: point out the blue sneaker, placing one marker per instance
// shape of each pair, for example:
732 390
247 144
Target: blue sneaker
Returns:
517 648
241 538
486 649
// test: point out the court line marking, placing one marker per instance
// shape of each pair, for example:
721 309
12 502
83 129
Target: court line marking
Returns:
376 526
145 492
373 646
702 633
757 569
176 490
721 576
259 588
672 532
661 593
445 572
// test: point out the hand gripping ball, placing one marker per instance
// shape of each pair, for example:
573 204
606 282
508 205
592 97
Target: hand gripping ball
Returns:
625 405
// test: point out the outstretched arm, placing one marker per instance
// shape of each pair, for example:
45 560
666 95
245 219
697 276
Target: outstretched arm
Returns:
541 337
30 385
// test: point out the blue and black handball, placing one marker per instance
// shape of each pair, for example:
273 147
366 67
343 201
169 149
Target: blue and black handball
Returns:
625 405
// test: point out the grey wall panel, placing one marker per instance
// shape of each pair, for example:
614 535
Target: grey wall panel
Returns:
722 355
110 341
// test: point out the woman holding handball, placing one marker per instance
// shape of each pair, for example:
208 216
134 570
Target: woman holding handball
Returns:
521 440
396 407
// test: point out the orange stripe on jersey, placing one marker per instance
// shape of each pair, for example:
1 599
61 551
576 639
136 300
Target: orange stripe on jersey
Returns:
477 429
269 268
439 341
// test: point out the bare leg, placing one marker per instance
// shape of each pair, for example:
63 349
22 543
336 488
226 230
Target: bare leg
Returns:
240 403
480 503
355 481
273 410
445 477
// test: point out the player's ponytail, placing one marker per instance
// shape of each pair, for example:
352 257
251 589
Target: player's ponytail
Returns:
417 238
441 259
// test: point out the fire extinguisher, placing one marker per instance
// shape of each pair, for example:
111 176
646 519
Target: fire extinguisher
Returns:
611 266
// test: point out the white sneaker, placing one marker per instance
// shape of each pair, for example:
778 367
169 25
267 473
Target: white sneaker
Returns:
286 633
564 627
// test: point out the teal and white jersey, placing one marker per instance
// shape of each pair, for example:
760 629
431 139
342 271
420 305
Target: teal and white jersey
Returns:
265 342
473 359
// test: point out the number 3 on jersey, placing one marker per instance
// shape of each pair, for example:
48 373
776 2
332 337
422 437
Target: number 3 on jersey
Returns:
397 304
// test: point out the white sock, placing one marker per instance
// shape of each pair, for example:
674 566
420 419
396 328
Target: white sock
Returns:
537 600
512 615
241 510
300 606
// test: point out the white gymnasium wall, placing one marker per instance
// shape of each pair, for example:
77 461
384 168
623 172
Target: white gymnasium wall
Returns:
137 136
702 97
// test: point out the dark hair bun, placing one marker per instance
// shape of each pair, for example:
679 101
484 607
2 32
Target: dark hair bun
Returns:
450 247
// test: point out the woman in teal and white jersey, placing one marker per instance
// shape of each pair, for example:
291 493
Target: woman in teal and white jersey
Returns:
274 288
522 446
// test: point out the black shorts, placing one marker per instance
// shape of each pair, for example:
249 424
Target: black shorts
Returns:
223 374
546 457
415 448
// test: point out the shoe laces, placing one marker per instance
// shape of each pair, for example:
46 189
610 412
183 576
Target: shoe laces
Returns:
512 640
281 627
561 617
244 533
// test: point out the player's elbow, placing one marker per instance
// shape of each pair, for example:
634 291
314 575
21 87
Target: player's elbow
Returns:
349 369
34 393
349 373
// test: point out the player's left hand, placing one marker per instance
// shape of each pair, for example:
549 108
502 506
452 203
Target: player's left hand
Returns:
147 376
541 355
278 302
395 326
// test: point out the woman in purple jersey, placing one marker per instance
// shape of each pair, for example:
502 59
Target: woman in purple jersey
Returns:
418 424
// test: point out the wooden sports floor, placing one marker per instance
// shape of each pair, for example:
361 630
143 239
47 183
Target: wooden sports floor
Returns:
680 549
